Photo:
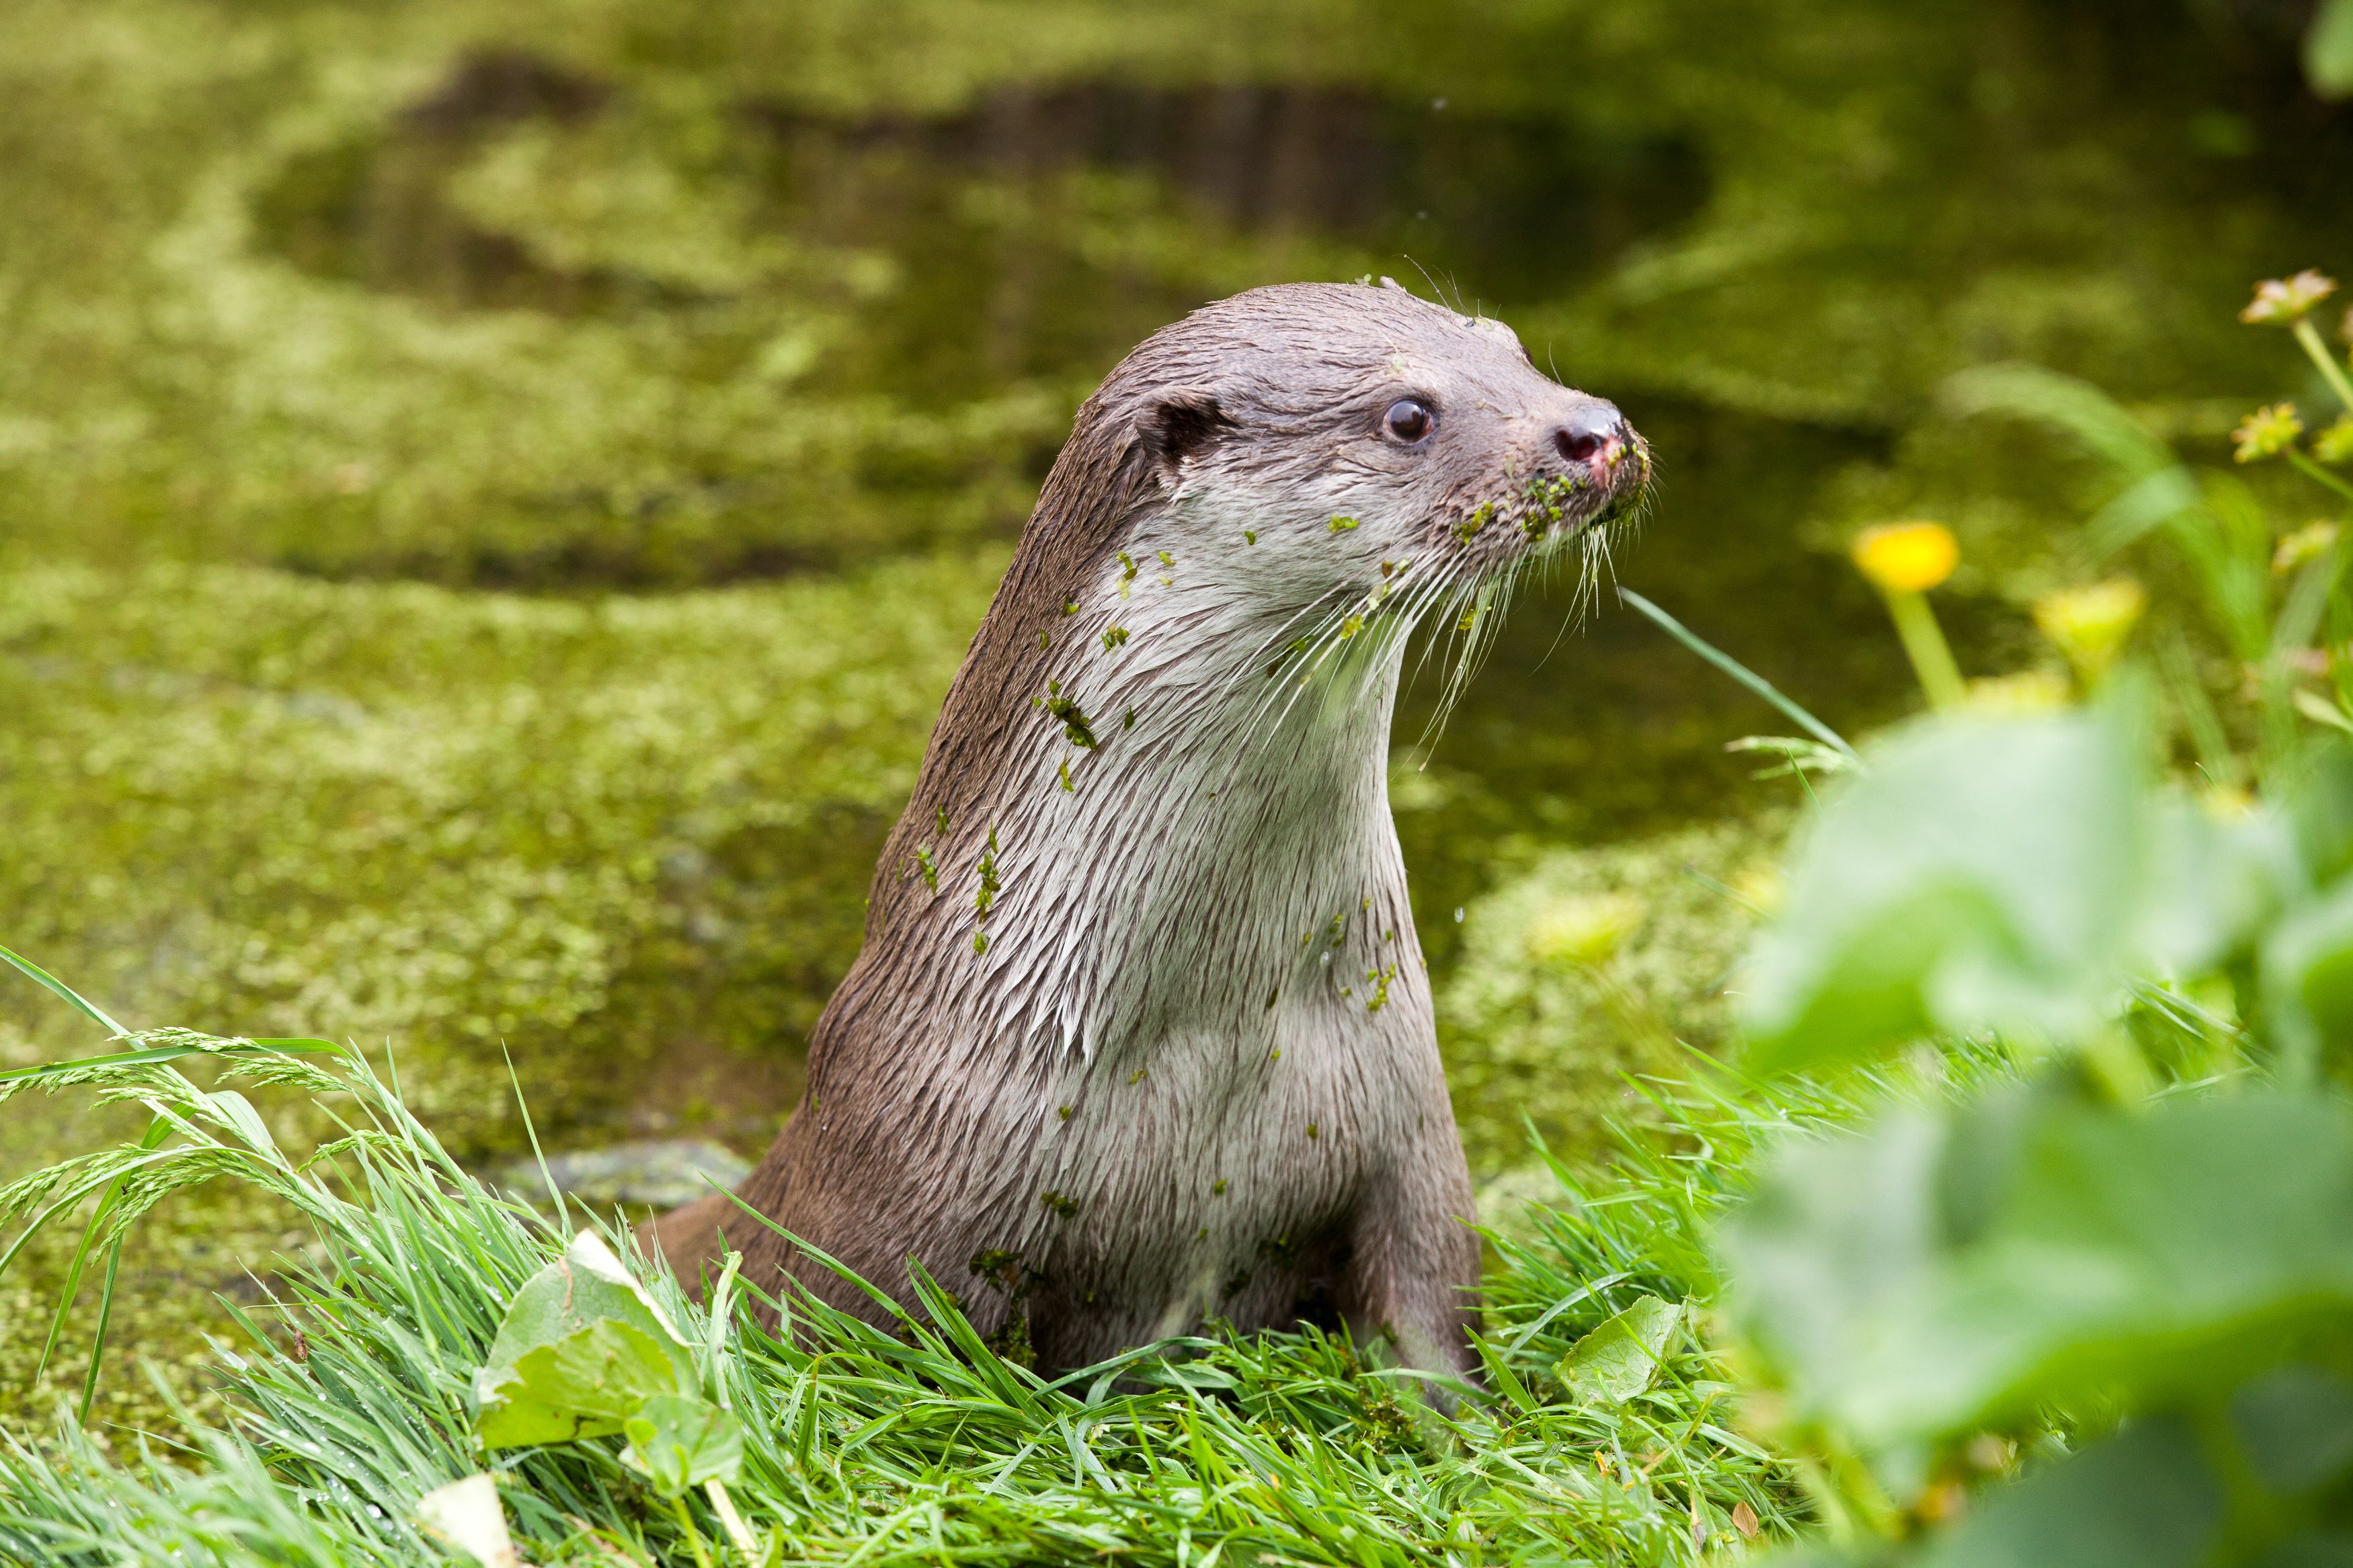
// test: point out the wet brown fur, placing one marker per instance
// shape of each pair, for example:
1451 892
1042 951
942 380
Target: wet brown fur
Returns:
1089 1131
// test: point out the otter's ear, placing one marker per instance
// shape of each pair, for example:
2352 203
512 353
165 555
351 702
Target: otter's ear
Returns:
1180 423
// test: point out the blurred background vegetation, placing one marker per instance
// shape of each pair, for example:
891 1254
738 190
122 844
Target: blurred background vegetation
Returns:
491 497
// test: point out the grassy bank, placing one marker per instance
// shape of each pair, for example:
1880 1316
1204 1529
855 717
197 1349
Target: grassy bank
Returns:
346 1399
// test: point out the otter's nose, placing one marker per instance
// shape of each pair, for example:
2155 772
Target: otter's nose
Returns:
1595 433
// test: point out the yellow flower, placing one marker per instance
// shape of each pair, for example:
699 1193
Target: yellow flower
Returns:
1585 930
2306 544
1906 557
2284 301
2090 624
2267 432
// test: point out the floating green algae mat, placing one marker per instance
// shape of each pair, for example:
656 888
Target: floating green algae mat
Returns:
595 833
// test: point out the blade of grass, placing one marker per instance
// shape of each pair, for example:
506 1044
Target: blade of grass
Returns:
157 1130
98 1337
43 977
1739 672
2319 475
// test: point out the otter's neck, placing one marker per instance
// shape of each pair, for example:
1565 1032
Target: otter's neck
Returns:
1222 847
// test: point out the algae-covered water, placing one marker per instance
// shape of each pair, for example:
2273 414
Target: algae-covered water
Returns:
493 496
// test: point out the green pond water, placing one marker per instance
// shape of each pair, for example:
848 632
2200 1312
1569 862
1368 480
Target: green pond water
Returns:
491 497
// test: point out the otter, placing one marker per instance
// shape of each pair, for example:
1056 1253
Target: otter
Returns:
1141 1035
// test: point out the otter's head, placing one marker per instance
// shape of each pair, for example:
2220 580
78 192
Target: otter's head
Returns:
1345 455
1250 516
1252 513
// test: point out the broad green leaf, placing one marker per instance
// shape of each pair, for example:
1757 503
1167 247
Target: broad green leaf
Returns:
582 1345
586 1284
2210 883
1839 1233
2308 957
2143 1498
1618 1360
585 1384
2307 974
2328 50
678 1441
2320 811
2311 1548
1931 1275
2295 1425
2002 874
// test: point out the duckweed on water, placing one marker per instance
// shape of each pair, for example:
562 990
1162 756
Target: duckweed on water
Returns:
392 812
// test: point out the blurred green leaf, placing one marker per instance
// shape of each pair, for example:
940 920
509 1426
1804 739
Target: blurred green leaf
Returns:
678 1441
2328 49
1932 1275
2003 874
2295 1424
2143 1498
2321 809
2307 971
1619 1359
2313 1549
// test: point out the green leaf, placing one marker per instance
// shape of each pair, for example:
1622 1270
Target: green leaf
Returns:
2328 50
2307 975
2143 1498
2295 1424
1996 874
1932 1275
678 1441
581 1346
2321 809
586 1283
1618 1360
585 1384
1981 875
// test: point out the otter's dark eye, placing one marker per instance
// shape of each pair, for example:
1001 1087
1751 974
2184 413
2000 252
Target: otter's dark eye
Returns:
1409 419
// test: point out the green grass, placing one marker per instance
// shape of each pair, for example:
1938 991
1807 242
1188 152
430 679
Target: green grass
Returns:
346 1397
